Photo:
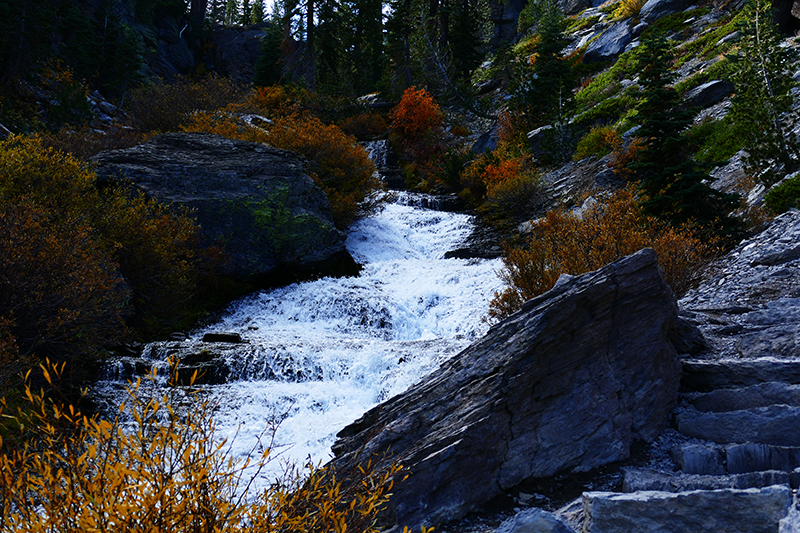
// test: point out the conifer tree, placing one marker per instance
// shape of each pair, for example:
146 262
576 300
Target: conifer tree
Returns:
674 184
543 92
269 66
231 12
257 12
465 36
762 105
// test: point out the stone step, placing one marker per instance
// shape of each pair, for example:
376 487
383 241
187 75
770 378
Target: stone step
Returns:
706 376
778 425
735 458
635 480
760 395
730 510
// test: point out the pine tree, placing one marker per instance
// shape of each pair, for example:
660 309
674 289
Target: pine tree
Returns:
329 47
246 11
762 105
466 38
673 183
269 66
543 92
257 13
398 44
365 48
231 12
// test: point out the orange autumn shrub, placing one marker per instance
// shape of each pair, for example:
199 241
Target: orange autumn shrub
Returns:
563 242
157 467
623 153
58 296
78 251
86 141
416 115
338 163
365 126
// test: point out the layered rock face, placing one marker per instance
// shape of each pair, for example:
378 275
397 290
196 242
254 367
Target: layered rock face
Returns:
273 220
566 384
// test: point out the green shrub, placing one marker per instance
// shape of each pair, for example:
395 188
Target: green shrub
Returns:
716 141
606 84
598 142
783 196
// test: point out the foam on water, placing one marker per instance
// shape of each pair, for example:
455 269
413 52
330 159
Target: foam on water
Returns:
321 353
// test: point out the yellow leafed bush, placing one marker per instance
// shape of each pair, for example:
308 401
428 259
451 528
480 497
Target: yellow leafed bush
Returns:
157 467
563 242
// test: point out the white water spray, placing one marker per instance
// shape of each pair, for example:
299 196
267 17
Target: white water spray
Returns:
319 354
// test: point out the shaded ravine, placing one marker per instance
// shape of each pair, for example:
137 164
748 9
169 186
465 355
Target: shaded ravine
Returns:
317 355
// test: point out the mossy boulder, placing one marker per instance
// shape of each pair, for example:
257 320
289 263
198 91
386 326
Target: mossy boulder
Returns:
274 222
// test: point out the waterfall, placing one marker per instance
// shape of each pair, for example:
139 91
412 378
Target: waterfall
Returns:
318 354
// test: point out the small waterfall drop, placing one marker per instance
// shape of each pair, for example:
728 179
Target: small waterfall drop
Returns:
317 355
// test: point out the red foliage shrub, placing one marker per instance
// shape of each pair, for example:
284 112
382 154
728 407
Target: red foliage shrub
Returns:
417 114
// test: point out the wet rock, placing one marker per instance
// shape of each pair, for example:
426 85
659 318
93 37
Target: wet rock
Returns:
564 385
222 337
273 220
729 510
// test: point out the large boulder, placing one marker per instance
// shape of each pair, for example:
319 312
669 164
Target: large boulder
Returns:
653 10
273 220
610 43
566 384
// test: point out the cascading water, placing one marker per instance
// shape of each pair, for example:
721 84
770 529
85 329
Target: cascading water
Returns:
319 354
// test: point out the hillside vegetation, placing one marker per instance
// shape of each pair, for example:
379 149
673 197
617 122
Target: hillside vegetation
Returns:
497 121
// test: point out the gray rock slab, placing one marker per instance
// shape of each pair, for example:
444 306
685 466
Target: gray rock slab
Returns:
655 9
759 395
778 425
728 510
754 457
702 375
700 459
535 521
564 385
609 44
636 480
709 93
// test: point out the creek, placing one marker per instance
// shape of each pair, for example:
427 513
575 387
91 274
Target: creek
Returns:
317 355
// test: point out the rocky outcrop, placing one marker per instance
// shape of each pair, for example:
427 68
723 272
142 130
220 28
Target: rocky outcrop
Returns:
566 384
750 305
237 50
274 222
